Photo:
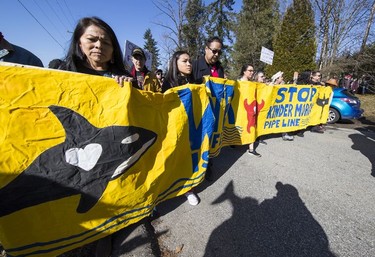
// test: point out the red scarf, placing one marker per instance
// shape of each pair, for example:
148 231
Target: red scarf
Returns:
214 71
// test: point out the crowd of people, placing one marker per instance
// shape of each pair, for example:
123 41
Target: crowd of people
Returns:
94 49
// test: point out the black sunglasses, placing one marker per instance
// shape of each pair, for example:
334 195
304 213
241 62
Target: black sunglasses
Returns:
215 51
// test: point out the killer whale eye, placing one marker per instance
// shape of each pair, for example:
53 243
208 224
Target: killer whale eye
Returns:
130 139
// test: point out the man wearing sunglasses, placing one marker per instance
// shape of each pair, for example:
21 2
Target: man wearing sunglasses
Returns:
209 64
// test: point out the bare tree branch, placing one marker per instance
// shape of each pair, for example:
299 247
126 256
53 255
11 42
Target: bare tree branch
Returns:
174 11
368 27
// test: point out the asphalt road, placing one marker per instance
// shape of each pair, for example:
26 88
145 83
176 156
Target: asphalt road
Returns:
362 124
313 196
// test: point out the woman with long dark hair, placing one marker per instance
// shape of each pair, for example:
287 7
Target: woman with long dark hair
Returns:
94 49
180 73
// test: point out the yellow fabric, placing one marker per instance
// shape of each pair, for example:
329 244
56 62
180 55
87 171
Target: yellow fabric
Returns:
188 121
292 107
260 109
151 83
241 120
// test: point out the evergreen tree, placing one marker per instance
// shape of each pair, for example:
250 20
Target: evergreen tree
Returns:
193 28
151 46
294 46
257 22
220 22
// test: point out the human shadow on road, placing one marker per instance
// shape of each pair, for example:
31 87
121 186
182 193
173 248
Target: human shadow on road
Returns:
281 226
365 121
346 121
365 144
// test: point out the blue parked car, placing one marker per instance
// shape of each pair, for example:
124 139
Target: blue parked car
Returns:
344 105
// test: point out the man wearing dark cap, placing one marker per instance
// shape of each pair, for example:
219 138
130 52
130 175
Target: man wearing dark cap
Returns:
16 54
142 77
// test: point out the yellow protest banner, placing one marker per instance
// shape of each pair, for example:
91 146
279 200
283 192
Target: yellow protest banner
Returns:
241 118
289 108
258 109
222 91
82 157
